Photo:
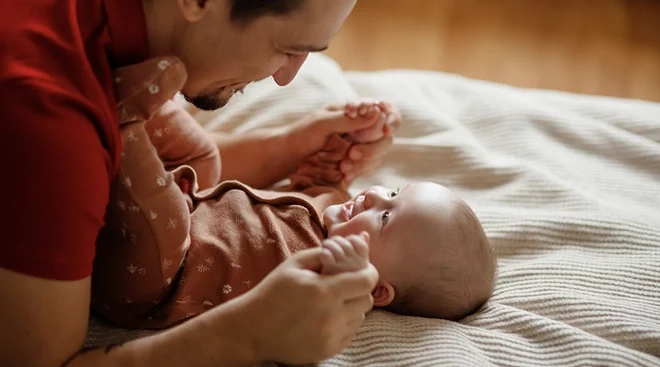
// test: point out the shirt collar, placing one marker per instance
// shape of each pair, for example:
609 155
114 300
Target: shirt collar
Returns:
128 32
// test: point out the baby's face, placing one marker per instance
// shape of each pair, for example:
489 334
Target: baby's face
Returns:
398 221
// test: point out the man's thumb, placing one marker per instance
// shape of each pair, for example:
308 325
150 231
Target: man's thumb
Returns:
309 259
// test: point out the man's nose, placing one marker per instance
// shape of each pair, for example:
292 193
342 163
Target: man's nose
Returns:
285 75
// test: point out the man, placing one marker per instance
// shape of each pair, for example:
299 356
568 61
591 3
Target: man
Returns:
59 150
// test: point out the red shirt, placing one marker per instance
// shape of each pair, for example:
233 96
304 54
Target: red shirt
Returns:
59 131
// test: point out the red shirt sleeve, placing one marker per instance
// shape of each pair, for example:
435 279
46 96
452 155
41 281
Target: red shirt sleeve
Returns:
55 180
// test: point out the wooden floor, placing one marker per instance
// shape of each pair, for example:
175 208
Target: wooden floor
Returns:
604 47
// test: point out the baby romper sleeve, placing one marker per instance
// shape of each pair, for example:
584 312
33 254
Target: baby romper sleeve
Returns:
147 230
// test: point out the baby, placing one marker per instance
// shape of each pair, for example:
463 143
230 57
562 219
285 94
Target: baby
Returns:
431 252
169 264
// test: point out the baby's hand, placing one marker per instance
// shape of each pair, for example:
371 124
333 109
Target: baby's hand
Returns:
342 255
387 123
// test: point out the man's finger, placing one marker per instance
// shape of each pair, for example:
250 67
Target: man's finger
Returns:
371 150
321 174
359 307
357 322
309 259
351 169
359 168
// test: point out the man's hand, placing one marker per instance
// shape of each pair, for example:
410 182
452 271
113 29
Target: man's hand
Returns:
322 168
309 135
368 123
362 159
297 316
373 142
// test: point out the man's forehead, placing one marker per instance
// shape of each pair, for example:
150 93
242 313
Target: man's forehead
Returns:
317 21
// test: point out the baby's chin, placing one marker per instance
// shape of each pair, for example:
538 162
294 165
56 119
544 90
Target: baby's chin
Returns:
331 216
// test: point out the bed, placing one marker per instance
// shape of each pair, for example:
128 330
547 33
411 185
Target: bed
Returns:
567 188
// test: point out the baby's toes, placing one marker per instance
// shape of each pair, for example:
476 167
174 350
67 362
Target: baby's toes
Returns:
368 109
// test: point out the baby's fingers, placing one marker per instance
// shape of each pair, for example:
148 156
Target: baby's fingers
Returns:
347 246
328 261
334 248
361 244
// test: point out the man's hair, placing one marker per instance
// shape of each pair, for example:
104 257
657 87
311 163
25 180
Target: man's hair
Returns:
245 11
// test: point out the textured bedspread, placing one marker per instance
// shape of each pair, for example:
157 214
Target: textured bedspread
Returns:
567 188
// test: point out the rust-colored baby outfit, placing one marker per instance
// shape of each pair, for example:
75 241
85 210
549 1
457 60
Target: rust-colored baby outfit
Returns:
170 251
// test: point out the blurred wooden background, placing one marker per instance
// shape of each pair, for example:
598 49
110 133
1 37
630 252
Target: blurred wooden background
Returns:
604 47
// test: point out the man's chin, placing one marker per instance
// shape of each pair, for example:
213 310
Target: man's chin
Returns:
207 102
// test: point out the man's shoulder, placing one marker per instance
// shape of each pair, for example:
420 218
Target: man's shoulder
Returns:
47 43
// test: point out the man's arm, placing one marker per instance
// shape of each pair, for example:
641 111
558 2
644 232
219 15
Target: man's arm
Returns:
293 316
45 323
265 156
258 158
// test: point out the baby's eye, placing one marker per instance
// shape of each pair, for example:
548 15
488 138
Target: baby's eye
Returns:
394 193
385 217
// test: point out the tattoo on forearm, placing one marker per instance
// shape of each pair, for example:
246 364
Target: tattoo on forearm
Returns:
86 350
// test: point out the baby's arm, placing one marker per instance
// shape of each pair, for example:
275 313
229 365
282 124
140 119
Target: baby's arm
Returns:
144 93
344 254
180 140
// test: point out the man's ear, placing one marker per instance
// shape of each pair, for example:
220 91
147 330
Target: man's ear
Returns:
192 10
383 293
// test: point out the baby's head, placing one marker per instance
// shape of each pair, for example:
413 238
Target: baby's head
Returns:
432 254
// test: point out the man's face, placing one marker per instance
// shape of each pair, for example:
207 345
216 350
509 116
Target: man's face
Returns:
223 57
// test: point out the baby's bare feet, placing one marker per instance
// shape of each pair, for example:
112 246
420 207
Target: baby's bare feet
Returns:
344 254
385 116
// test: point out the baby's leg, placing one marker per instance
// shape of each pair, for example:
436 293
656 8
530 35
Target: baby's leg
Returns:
344 254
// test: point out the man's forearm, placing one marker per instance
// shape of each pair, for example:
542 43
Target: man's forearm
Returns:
258 158
211 339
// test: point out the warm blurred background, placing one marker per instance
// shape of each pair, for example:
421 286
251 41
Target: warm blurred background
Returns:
604 47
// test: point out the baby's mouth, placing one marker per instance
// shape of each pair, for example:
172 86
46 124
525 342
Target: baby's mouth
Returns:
347 211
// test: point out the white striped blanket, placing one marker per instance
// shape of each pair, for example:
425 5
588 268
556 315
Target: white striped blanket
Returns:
567 188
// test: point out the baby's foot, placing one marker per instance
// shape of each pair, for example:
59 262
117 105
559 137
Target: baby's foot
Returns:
386 119
344 254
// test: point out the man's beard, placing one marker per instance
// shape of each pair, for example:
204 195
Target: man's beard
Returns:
213 100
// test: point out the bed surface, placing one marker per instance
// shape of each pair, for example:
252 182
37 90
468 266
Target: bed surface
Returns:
567 188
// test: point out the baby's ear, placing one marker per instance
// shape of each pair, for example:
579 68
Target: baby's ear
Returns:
383 293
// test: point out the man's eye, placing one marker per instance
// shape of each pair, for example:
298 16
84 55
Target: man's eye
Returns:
385 217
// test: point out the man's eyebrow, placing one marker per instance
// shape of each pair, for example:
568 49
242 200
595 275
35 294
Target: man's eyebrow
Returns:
308 48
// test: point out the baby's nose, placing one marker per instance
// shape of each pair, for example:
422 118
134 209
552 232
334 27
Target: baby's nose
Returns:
371 199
